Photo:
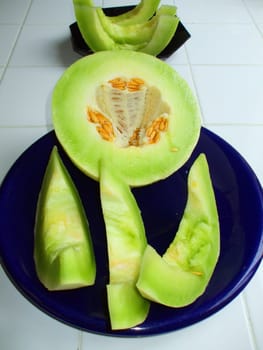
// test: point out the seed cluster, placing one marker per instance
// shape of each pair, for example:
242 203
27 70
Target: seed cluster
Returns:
146 133
153 132
131 85
104 126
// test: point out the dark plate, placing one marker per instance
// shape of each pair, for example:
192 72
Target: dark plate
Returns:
180 37
240 205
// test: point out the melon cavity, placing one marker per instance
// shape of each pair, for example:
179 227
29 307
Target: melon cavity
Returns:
182 274
129 107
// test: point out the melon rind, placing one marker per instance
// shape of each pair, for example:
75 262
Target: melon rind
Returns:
138 166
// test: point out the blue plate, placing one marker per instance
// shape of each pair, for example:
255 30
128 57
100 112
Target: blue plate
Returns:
240 205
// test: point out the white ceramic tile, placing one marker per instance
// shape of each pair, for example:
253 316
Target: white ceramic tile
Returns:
260 27
247 140
23 326
213 11
25 95
256 9
113 3
185 72
178 57
230 94
44 45
253 297
225 44
51 12
1 72
13 142
225 330
8 35
13 12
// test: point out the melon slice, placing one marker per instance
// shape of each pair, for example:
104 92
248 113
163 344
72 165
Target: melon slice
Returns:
126 242
63 250
127 107
139 33
182 274
101 33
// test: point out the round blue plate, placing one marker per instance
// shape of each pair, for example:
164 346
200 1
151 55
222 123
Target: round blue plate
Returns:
240 205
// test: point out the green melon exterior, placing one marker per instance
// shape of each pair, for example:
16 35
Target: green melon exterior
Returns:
182 274
136 165
126 242
63 250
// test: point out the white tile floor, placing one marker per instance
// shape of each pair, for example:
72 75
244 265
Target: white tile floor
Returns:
223 64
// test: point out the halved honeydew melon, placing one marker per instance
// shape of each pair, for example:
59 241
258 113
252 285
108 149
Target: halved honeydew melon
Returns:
126 241
63 250
182 274
127 107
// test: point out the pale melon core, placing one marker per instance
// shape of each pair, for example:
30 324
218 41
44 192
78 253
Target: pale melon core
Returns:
129 112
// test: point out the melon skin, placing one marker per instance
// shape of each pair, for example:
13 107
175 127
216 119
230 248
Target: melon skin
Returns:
182 274
138 166
63 250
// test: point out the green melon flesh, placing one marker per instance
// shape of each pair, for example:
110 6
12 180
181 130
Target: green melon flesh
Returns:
131 34
91 29
86 85
139 14
63 251
182 274
164 31
126 242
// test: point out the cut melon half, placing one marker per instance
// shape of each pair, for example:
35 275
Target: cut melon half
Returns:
127 107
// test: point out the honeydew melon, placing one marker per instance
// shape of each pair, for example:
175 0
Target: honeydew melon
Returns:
126 241
182 274
101 33
63 250
127 107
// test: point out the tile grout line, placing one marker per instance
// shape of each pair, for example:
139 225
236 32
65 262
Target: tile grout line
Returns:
80 340
195 85
249 322
16 40
252 18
